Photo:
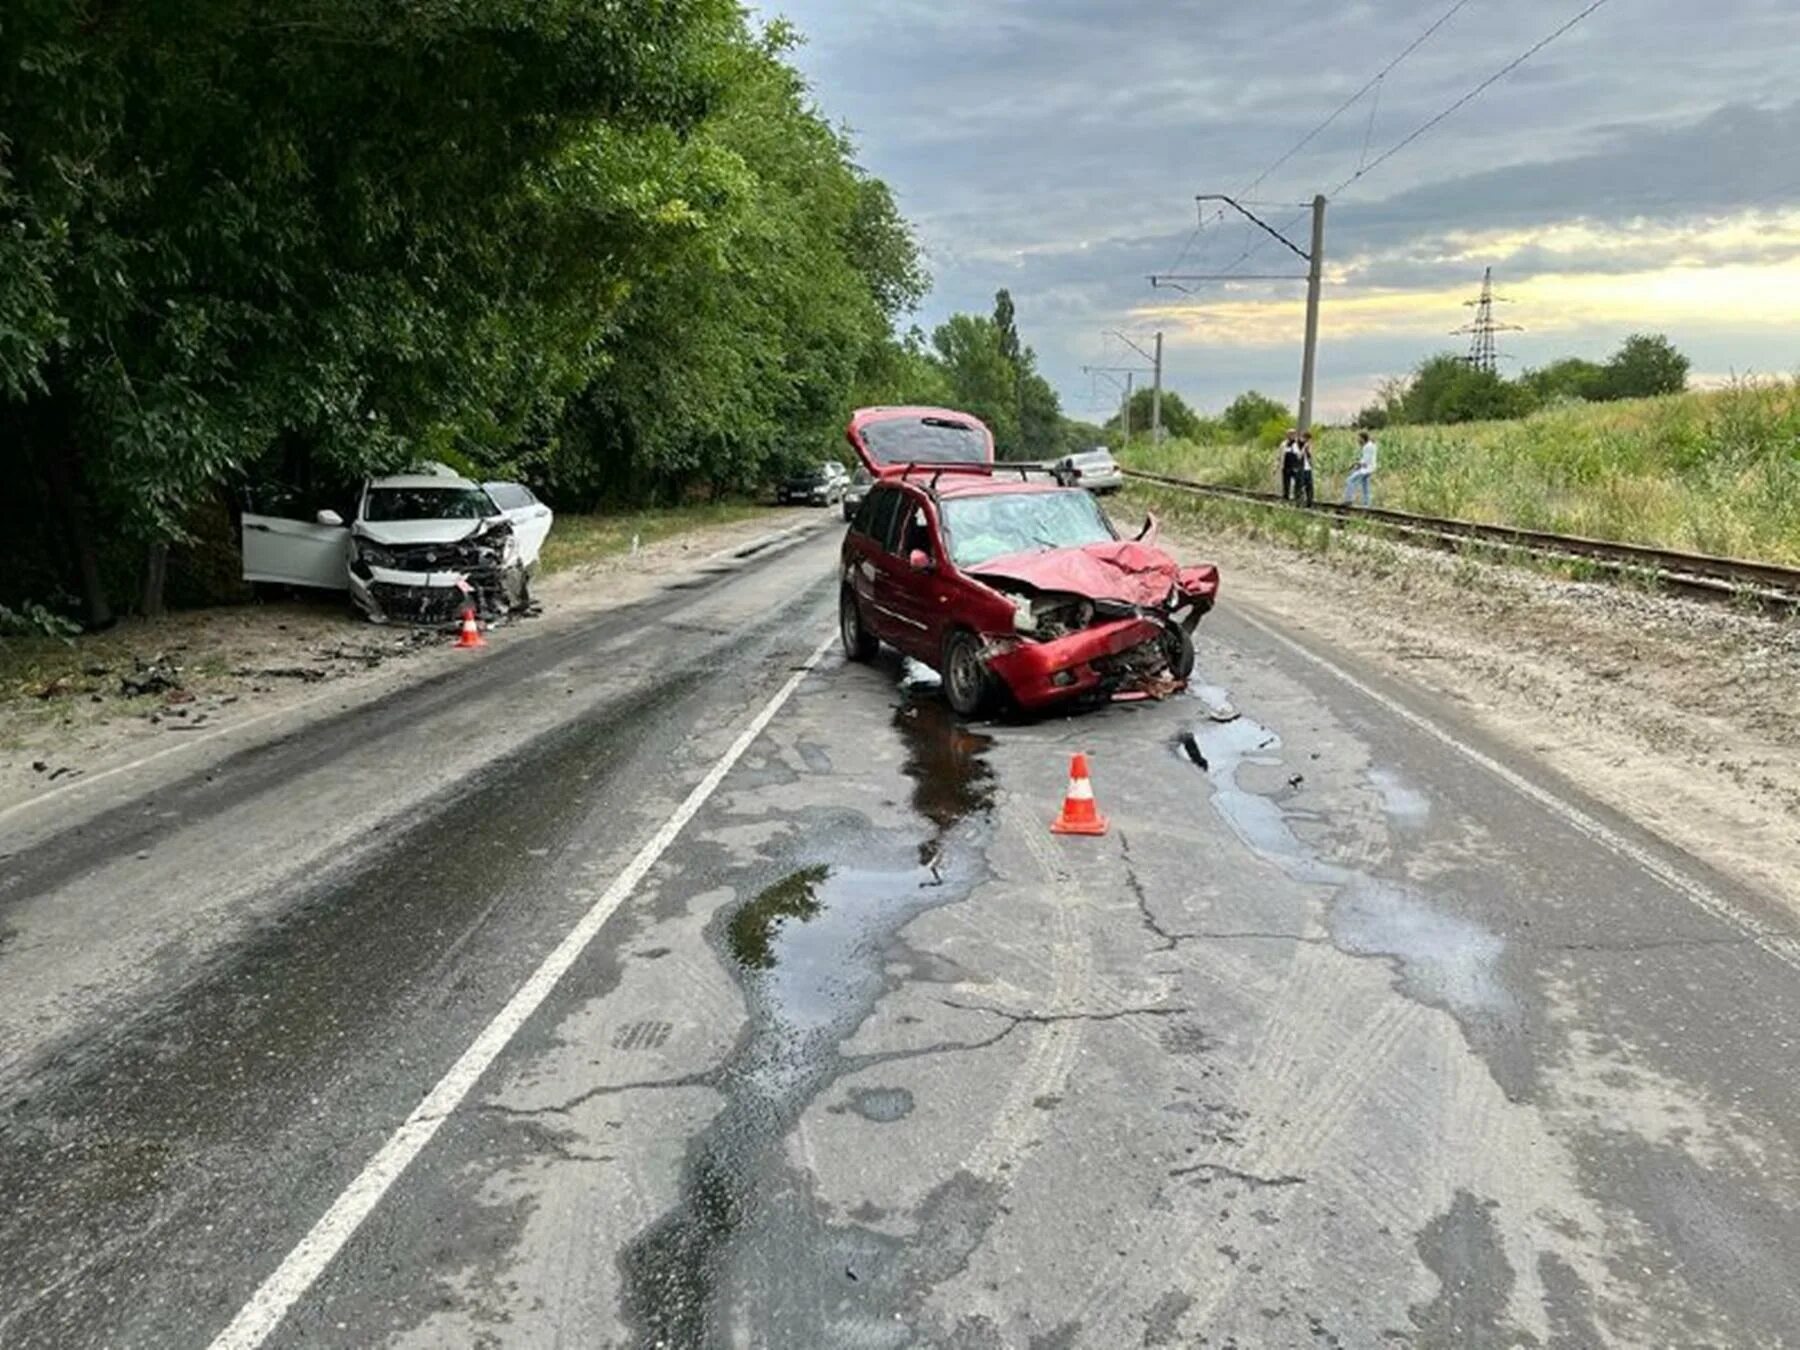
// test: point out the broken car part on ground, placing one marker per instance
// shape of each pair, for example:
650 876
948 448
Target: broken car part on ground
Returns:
1009 586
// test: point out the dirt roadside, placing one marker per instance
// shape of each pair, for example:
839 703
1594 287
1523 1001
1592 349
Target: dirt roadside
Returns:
1678 714
142 690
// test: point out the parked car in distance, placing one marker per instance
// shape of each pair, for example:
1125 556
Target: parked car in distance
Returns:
815 485
412 545
854 492
1096 470
1004 579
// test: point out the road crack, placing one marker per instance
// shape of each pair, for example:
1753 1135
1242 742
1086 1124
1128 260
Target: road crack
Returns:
1170 939
703 1079
1211 1171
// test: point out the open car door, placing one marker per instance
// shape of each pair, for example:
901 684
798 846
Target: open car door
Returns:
890 441
531 519
296 552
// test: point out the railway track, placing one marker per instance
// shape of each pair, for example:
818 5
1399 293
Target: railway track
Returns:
1696 574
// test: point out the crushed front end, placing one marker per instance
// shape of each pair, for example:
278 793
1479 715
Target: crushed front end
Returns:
424 583
1066 645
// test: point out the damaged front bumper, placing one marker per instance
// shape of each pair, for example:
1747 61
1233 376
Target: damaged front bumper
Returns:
1088 663
391 595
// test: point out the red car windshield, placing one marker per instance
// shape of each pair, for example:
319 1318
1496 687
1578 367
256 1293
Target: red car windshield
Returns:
994 525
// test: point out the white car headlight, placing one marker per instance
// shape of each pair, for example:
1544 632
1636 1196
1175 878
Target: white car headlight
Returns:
1023 618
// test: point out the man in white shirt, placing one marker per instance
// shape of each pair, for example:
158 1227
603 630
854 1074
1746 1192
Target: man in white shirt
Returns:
1364 470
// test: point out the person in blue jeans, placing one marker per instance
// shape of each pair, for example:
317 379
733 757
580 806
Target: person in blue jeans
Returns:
1364 470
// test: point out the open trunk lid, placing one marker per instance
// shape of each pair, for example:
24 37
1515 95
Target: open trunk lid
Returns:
889 441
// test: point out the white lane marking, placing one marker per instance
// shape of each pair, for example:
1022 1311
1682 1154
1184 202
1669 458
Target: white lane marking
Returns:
295 1275
1777 944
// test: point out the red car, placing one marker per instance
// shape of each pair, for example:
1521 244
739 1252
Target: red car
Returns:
1002 578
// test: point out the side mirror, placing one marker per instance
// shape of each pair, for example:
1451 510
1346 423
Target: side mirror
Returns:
1148 533
920 561
329 517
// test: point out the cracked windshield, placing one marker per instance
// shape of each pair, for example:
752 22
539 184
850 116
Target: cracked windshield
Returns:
731 675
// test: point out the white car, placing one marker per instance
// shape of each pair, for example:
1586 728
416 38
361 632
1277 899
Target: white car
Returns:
420 547
1096 470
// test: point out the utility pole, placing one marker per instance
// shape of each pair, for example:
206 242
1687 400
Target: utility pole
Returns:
1315 275
1156 396
1130 373
1314 258
1156 370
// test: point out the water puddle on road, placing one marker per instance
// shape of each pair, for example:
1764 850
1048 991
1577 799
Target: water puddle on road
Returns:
813 951
1443 959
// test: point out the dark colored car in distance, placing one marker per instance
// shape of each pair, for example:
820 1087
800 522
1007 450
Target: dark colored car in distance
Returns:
814 485
1003 579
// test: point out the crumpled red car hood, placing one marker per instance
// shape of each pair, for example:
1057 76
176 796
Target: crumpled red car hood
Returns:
1118 569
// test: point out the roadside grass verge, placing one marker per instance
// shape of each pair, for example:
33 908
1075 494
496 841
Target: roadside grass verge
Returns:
1715 472
575 540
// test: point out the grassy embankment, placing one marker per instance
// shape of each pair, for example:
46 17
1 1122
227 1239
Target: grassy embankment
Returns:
583 539
1715 472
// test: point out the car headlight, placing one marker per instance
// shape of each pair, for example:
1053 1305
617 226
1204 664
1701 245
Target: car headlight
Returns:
1023 618
375 555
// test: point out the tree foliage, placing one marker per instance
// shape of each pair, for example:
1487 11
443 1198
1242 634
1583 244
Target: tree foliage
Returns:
614 246
1249 412
1645 366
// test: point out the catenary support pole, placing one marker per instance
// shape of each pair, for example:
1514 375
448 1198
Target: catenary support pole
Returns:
1315 274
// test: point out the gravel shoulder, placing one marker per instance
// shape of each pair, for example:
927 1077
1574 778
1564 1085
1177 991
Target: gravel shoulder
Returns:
225 678
1678 714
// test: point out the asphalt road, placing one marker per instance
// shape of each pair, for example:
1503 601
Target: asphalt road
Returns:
668 983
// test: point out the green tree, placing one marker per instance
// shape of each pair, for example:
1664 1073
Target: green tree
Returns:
1646 365
1570 377
1040 414
982 381
1178 419
1246 415
1447 389
338 236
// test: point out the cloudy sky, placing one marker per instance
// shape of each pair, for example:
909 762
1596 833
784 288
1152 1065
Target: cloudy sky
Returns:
1641 172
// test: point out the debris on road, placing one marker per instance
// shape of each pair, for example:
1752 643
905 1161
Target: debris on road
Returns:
1192 747
155 676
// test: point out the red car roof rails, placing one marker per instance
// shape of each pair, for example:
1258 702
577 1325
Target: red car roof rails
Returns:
1024 470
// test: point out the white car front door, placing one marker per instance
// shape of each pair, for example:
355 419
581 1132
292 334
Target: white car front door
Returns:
296 552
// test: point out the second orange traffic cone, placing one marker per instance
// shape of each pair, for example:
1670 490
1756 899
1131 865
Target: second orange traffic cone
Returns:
1079 813
471 631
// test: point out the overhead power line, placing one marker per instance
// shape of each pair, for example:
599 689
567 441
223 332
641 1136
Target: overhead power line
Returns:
1346 105
1428 124
1465 99
1244 192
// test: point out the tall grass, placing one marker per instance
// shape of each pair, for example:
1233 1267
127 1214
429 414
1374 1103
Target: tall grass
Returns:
1715 472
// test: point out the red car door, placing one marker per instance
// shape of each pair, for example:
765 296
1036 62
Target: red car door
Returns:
921 596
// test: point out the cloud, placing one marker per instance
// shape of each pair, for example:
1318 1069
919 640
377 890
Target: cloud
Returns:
1054 147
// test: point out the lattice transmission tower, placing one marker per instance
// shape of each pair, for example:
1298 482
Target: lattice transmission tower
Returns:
1484 351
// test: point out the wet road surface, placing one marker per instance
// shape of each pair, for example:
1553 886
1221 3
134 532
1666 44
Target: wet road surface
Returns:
1354 1031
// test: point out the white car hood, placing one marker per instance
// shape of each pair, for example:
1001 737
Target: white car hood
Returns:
422 531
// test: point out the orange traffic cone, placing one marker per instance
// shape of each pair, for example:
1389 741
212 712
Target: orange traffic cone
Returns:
471 633
1079 814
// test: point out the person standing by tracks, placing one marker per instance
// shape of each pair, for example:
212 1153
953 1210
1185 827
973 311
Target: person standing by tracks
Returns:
1303 470
1290 464
1364 471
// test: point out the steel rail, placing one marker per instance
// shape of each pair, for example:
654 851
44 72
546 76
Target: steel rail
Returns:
1694 573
